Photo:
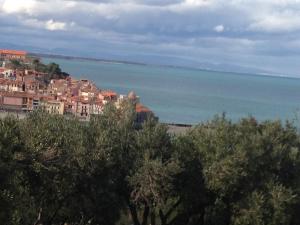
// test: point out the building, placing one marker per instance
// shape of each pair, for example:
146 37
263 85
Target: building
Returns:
15 86
18 101
54 107
82 109
142 113
96 107
9 74
2 69
32 87
69 108
12 54
108 96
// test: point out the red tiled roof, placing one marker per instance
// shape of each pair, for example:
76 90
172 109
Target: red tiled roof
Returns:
13 52
108 93
141 108
17 94
3 81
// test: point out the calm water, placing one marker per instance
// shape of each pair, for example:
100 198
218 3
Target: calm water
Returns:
191 96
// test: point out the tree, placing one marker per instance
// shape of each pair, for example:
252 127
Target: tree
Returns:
36 62
14 189
56 170
67 182
15 64
246 166
52 70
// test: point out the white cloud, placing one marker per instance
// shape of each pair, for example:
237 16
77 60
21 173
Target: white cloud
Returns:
197 2
18 6
276 24
219 28
52 25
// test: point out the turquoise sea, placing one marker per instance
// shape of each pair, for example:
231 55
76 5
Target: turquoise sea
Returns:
190 96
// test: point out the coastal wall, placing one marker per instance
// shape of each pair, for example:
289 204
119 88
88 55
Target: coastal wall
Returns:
178 128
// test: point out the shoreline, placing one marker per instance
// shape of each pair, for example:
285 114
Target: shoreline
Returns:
257 74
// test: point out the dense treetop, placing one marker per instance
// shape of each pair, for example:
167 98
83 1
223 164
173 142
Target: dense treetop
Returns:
55 170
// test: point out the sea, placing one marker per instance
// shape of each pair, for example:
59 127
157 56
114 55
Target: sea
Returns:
190 96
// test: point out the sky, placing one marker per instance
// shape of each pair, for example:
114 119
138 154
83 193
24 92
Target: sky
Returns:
254 36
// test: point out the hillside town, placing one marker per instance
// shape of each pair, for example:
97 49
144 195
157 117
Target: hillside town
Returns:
25 88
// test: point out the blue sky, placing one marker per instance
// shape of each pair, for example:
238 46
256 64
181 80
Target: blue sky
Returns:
261 36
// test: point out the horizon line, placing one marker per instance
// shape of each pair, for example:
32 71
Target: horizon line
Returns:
261 74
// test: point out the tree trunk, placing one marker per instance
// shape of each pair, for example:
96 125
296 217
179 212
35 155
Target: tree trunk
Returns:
162 217
134 215
145 215
153 217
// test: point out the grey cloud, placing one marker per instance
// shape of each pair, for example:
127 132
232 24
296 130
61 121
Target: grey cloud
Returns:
255 31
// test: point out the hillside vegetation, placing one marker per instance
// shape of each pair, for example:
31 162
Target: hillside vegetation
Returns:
56 171
51 70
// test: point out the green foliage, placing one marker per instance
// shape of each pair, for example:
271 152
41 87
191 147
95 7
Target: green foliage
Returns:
16 64
52 70
56 170
247 168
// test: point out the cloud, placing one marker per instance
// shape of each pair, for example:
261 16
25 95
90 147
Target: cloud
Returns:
52 25
182 28
18 6
219 28
276 24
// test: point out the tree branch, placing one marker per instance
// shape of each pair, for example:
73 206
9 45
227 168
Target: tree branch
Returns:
173 208
39 217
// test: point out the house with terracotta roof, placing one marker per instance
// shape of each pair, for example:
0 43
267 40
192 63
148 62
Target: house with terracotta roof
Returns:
108 96
142 113
12 54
